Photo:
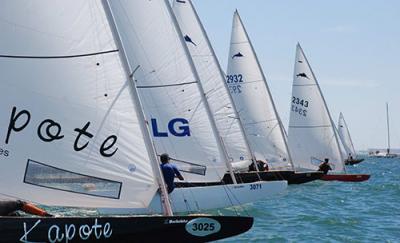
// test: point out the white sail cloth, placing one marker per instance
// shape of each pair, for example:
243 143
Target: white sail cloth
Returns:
168 88
213 82
344 135
68 122
311 135
253 100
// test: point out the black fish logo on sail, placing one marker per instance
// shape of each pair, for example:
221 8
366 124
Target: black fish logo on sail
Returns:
299 61
188 39
303 75
180 1
237 55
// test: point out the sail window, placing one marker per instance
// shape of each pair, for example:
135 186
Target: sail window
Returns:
43 175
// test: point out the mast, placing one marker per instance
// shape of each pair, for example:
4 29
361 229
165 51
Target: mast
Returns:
269 92
167 209
221 73
326 107
202 95
388 131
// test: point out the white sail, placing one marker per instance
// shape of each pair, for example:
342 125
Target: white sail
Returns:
311 134
213 82
169 89
344 135
254 102
69 132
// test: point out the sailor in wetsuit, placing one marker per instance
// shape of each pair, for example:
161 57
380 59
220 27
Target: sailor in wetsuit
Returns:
169 171
324 166
11 208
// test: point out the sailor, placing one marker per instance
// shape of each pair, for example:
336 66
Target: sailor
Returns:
10 208
350 157
169 171
324 166
261 165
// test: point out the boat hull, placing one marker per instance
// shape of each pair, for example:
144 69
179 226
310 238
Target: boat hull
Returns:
195 199
353 161
122 229
290 176
346 177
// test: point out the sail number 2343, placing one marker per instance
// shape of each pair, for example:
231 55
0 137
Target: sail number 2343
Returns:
299 106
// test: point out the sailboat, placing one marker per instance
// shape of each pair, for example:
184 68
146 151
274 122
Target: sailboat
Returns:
345 139
177 112
73 132
252 98
311 136
385 154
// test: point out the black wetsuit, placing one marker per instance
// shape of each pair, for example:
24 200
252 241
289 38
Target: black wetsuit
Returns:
325 167
9 207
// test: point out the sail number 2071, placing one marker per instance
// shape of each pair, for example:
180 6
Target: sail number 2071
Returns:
255 186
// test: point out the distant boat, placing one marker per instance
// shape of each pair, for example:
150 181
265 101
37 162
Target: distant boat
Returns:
311 136
385 154
345 138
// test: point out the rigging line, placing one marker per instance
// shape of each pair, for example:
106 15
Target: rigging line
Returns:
165 85
310 126
59 57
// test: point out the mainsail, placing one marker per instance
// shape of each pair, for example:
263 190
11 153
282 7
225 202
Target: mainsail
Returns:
169 89
344 135
68 123
212 79
253 101
311 135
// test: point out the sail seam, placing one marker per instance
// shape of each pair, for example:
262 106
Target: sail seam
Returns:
165 85
60 57
310 126
304 84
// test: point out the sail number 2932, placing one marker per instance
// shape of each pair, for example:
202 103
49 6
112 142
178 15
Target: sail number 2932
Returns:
233 82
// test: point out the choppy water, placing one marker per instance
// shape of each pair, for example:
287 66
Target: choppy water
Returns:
324 211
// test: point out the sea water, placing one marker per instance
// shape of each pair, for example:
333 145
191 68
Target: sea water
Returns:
324 211
328 211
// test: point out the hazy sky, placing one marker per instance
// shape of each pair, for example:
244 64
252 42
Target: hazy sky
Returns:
352 46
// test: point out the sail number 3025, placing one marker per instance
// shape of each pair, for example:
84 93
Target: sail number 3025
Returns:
203 227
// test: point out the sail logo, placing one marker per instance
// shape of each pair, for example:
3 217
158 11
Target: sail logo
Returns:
178 127
302 75
49 131
189 40
237 55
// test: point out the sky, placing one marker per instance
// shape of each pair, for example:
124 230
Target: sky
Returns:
352 47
